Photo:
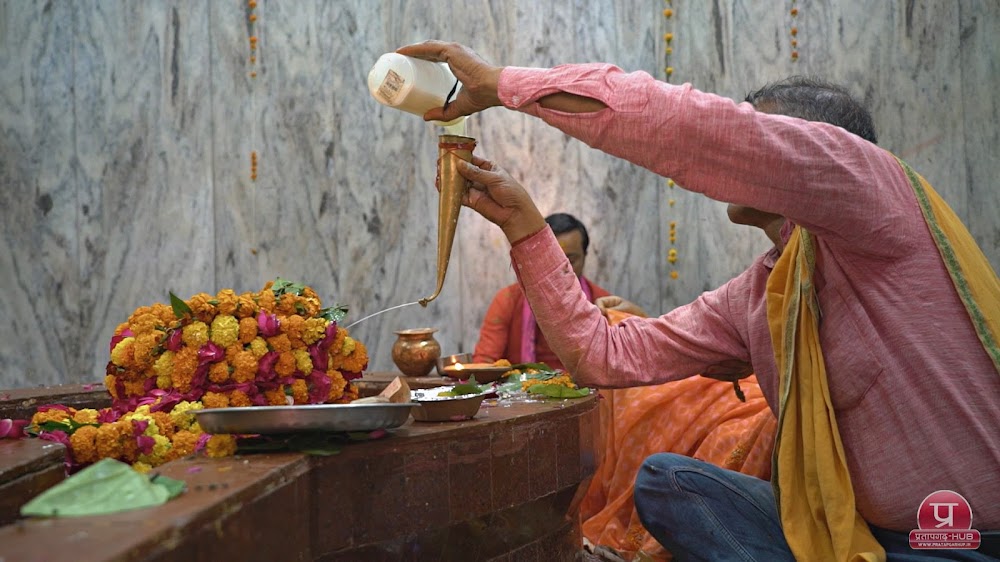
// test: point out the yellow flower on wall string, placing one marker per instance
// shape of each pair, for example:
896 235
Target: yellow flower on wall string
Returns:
668 70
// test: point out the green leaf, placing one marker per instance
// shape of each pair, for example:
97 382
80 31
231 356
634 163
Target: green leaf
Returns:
180 307
284 286
558 391
68 426
173 487
334 313
471 387
107 486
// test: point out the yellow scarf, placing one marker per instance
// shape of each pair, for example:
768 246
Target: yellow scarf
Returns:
818 514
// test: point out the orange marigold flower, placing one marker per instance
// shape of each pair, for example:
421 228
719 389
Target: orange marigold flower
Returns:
143 323
300 391
145 347
350 394
83 444
228 301
357 360
184 443
220 446
164 313
286 364
280 343
238 398
311 304
248 329
337 386
202 307
286 305
276 397
109 383
108 441
185 364
247 306
265 299
244 367
294 327
232 350
215 400
135 388
219 372
86 415
164 422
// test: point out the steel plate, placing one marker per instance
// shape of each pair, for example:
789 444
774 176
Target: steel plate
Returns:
310 417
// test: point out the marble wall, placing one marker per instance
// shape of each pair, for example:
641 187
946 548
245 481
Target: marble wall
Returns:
128 128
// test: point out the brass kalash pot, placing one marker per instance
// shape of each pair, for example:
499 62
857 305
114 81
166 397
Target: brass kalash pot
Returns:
452 187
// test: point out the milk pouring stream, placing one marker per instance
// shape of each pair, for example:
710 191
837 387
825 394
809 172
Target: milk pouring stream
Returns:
414 85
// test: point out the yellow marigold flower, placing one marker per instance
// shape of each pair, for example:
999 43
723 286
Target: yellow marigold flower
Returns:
300 391
279 343
313 330
220 446
195 334
248 329
215 400
225 330
86 415
302 361
141 467
121 355
259 347
219 372
246 307
348 347
182 416
202 307
164 364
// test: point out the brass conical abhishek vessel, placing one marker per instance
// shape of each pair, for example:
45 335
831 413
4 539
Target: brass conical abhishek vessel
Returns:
452 187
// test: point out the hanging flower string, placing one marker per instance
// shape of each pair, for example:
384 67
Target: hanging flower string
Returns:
794 31
668 70
251 15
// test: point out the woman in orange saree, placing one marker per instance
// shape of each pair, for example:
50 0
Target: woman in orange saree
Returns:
699 417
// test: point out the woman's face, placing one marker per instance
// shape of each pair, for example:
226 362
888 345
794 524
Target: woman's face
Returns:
572 245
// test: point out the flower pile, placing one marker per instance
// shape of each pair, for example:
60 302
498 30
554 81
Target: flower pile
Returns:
274 347
145 438
278 346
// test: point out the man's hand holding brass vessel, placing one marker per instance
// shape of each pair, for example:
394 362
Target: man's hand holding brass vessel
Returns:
500 199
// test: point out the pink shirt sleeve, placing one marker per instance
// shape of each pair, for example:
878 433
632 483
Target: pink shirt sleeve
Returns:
636 351
820 176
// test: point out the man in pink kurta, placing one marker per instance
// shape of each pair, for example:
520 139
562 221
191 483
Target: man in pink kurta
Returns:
916 396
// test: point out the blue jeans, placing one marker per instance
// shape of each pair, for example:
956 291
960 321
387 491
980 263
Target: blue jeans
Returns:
699 511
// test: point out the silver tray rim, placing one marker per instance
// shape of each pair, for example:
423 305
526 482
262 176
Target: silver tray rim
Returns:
303 418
